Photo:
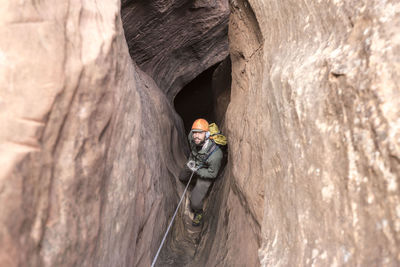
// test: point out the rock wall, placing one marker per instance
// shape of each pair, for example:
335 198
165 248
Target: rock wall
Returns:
89 144
176 40
221 86
313 128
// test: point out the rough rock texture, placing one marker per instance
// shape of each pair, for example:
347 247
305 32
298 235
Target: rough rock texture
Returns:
88 145
174 41
221 86
313 127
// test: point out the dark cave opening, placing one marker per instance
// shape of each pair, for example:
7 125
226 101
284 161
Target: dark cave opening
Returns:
207 96
195 100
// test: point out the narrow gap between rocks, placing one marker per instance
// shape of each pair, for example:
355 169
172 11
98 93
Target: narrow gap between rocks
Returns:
207 96
195 100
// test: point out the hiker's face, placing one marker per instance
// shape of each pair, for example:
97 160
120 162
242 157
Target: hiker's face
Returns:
199 137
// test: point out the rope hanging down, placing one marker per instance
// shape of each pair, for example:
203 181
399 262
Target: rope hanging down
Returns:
170 224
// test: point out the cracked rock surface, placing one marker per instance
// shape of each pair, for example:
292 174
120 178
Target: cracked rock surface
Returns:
80 181
90 144
314 140
174 41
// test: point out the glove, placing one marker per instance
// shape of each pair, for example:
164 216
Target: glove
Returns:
191 164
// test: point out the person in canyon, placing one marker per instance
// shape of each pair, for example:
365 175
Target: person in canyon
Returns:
204 162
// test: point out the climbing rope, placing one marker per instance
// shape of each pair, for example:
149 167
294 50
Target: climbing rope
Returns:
170 224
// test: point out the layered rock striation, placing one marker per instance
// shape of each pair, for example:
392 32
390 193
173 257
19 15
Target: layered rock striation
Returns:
174 41
313 128
89 145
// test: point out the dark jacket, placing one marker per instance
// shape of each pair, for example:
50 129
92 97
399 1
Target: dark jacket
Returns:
210 166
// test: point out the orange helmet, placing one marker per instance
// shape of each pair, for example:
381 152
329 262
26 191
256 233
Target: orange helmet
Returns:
200 125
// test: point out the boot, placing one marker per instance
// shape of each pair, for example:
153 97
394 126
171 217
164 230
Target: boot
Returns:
197 218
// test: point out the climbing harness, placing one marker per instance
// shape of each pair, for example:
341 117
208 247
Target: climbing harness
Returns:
170 224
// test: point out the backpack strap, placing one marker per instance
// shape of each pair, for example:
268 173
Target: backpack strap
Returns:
212 149
209 152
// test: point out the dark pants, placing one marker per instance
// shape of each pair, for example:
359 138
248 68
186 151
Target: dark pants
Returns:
199 191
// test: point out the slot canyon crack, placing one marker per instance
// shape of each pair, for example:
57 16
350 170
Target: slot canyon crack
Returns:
91 143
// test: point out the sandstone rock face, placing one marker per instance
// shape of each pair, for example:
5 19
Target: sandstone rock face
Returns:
221 85
89 144
174 41
313 127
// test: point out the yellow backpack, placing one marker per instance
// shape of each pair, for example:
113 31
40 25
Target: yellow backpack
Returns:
216 135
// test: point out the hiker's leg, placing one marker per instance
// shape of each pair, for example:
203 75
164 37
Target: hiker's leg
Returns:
198 194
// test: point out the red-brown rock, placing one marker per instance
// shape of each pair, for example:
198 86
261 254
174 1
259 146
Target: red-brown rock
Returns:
89 145
313 128
174 41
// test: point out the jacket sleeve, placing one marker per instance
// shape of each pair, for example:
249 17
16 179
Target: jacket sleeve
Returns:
214 163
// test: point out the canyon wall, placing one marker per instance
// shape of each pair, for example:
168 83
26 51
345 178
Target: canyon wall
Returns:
175 40
89 147
313 128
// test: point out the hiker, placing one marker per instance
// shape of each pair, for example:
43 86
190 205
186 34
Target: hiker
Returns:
205 161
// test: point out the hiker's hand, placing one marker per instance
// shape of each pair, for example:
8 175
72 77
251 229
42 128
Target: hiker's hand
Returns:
192 165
